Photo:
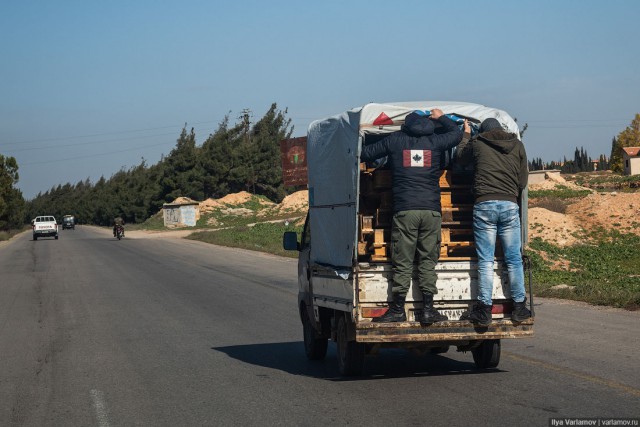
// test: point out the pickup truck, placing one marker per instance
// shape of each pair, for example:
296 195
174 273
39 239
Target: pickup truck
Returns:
344 263
45 226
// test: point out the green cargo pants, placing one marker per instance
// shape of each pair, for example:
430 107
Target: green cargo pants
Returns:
415 235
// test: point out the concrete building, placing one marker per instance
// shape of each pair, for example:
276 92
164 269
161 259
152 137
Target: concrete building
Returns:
181 213
631 160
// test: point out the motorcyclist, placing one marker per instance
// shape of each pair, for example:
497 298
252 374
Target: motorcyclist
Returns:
118 221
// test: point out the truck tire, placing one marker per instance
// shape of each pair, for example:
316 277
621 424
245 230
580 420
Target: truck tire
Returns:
315 346
350 353
487 354
35 237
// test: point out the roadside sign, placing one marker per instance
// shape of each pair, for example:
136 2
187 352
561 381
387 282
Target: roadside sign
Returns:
293 153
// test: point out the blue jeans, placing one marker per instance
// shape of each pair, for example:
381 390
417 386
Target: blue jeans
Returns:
502 219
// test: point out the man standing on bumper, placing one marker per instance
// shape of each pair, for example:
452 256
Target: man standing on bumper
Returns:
415 154
500 174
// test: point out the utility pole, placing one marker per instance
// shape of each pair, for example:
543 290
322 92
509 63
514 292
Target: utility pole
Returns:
245 117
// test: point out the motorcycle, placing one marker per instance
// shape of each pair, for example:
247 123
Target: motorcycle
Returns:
119 232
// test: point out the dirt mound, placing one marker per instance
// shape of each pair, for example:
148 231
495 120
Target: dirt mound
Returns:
232 199
235 198
209 205
612 211
181 200
553 227
295 202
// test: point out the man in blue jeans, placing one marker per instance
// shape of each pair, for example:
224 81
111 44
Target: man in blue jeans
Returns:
500 174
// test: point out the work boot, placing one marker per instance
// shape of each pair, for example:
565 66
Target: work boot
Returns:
520 311
395 313
429 315
480 314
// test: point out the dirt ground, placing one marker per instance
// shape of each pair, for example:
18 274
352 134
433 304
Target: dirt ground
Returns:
619 211
611 211
557 228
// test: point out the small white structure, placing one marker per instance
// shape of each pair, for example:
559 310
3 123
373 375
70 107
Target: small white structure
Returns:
184 214
538 177
631 160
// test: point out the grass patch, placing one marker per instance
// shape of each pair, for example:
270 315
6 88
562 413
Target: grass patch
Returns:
550 203
155 222
602 273
6 235
607 179
263 237
560 192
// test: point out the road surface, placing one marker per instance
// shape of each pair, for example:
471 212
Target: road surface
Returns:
172 332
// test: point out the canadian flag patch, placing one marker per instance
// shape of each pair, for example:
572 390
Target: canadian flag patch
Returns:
416 158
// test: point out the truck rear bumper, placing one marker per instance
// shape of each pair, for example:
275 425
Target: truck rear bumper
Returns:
45 233
369 332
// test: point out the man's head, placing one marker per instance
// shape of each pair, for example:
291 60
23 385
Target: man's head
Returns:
417 123
489 124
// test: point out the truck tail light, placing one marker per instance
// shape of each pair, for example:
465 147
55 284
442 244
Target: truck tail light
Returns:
500 308
373 311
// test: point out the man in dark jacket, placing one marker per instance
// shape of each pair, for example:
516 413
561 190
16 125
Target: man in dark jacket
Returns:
500 174
415 156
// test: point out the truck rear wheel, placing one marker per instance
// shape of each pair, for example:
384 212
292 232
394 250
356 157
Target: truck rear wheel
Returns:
487 354
350 353
315 346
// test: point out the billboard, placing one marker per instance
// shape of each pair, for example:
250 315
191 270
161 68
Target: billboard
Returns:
293 153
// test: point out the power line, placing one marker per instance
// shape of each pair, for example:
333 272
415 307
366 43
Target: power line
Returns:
62 138
91 155
88 143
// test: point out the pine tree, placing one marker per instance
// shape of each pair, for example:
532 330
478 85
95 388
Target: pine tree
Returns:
11 200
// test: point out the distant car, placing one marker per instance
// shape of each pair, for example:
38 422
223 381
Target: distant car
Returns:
68 221
45 226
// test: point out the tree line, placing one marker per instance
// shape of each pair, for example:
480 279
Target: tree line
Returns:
236 157
581 162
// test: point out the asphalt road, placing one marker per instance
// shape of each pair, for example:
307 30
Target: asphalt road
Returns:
170 332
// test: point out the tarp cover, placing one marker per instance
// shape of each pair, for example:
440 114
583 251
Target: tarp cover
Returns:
333 149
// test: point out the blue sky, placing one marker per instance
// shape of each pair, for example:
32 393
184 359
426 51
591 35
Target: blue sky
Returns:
90 87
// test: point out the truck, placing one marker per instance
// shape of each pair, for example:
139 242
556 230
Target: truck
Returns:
69 221
344 263
44 226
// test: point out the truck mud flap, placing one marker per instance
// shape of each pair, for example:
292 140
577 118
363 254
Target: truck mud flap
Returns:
441 331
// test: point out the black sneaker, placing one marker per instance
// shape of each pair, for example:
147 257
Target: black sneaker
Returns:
520 311
480 314
429 316
391 316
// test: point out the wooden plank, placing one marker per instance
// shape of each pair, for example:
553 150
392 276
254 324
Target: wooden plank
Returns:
363 248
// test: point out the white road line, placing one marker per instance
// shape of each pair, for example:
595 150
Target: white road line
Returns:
101 409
